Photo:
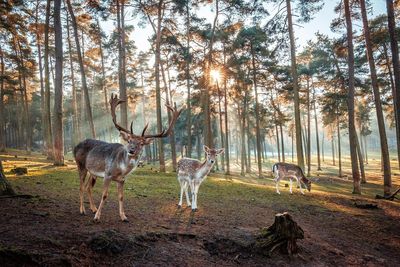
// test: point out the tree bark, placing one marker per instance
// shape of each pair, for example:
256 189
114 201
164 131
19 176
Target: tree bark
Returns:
339 148
122 61
103 71
257 111
316 131
82 69
308 129
187 74
226 153
42 96
75 115
49 133
350 102
158 89
2 114
299 146
168 99
220 125
58 88
282 143
378 106
361 162
5 187
396 69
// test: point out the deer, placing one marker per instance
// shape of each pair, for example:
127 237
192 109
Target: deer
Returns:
282 170
192 172
113 161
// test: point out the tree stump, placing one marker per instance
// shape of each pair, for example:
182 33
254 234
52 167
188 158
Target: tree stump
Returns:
19 170
282 234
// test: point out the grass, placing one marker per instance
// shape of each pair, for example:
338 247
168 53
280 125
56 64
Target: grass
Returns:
147 182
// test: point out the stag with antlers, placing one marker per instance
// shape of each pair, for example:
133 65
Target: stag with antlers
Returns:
113 161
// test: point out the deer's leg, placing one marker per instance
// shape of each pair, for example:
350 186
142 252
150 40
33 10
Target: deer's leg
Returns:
290 185
82 177
120 188
301 189
277 179
181 183
192 190
106 185
186 185
89 187
196 190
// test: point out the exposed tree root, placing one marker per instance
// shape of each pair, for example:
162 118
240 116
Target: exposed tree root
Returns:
390 197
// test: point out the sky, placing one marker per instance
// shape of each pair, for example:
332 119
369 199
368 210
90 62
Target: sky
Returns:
303 33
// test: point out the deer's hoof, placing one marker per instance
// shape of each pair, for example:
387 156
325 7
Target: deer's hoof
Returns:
96 220
82 212
195 210
179 206
125 220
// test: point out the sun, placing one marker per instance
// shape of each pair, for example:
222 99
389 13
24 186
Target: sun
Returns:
215 75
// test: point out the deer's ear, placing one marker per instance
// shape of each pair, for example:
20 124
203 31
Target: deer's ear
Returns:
148 141
221 150
206 149
124 135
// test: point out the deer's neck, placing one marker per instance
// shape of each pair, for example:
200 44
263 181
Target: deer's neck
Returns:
204 169
131 161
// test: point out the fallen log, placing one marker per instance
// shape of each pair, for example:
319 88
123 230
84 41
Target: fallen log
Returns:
390 197
282 235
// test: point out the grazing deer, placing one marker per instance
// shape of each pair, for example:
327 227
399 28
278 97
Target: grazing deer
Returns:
192 172
114 161
282 170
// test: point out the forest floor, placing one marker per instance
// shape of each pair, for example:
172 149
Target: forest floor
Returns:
47 230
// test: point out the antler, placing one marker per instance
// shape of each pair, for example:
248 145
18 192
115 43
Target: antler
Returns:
114 102
165 133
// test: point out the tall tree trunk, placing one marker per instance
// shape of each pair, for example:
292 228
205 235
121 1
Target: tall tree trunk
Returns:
75 115
282 143
122 61
350 102
220 126
277 140
361 162
322 146
292 135
299 146
58 88
187 74
206 97
226 153
82 69
378 106
24 96
316 130
158 89
243 135
333 150
248 166
308 129
103 71
257 111
339 148
49 132
2 113
366 149
168 100
396 71
42 96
